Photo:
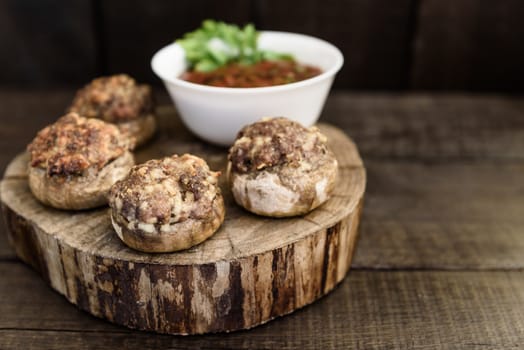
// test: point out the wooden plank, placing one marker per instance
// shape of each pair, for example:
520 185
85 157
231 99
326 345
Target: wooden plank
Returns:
6 251
47 42
445 192
134 30
430 127
450 203
419 126
396 244
458 215
24 112
370 310
373 35
469 45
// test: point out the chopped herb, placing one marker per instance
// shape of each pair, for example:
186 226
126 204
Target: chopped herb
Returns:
215 44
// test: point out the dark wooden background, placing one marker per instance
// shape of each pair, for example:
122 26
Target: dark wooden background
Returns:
439 263
473 45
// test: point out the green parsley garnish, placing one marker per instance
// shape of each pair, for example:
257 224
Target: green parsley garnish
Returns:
215 44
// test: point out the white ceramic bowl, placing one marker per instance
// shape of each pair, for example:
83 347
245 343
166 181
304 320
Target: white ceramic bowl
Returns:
216 114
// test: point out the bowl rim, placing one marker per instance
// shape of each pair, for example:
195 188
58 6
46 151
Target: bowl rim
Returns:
339 61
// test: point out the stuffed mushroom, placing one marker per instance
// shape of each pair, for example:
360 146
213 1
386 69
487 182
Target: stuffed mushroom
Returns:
168 204
118 99
75 161
279 168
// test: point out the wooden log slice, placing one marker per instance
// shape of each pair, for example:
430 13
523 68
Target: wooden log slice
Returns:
252 270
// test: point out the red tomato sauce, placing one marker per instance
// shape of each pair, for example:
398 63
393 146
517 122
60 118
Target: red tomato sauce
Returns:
264 73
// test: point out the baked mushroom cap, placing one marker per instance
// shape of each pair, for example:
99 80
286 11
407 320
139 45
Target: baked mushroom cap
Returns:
168 204
75 161
120 100
279 168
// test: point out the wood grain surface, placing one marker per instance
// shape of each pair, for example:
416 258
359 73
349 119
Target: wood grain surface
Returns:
418 45
132 31
369 310
250 271
369 34
47 42
438 264
468 45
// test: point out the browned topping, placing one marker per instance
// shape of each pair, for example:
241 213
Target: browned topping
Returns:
274 141
74 144
165 191
114 99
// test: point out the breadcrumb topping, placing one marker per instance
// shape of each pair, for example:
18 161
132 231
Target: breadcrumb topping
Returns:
114 99
74 144
162 192
275 141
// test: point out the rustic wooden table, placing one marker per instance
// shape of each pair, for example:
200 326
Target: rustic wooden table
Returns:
439 263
